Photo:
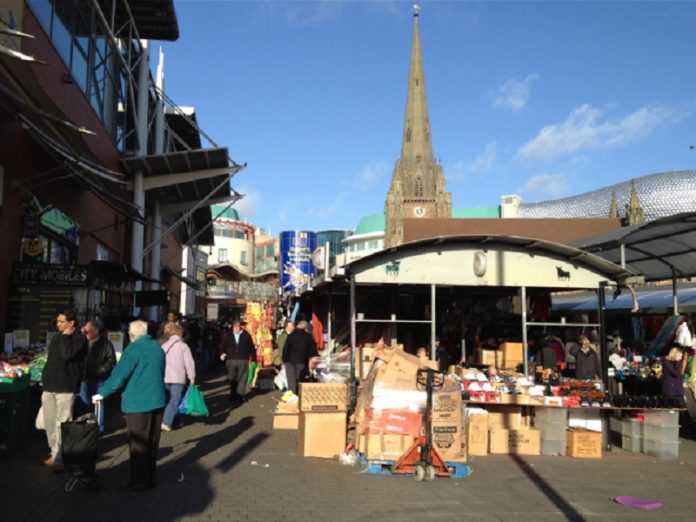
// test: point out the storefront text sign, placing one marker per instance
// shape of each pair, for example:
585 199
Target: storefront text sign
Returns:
116 339
21 338
24 274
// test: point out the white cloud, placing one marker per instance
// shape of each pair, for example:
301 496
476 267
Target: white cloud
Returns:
514 94
481 164
369 175
553 185
586 128
247 207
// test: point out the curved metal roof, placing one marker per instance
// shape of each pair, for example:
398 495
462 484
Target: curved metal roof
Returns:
658 250
568 253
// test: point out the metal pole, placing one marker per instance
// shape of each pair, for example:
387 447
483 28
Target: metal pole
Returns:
329 325
155 256
138 233
353 395
675 298
602 301
525 349
433 310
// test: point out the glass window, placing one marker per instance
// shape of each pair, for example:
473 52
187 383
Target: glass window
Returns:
102 252
360 246
222 255
243 257
270 250
373 245
43 11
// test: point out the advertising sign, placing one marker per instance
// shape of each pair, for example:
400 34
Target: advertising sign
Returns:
296 267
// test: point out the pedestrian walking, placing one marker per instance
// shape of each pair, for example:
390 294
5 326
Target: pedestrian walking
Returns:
140 376
178 367
299 348
237 349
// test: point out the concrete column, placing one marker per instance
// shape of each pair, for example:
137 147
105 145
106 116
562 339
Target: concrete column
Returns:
525 348
138 232
142 99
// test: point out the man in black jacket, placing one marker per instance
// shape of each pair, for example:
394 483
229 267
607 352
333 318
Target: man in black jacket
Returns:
61 380
100 360
237 348
299 347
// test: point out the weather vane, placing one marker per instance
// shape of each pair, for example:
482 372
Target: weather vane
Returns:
416 9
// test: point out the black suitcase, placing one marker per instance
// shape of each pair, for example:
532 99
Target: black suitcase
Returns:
79 450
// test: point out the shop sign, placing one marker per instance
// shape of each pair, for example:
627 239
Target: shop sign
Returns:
48 275
116 339
20 338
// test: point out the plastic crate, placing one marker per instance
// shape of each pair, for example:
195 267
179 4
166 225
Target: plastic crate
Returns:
661 433
553 446
660 449
663 418
632 443
544 416
13 385
632 427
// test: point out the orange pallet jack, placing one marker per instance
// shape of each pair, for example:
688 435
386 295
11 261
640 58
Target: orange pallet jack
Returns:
422 460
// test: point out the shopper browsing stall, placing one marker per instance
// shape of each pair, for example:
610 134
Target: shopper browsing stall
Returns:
587 365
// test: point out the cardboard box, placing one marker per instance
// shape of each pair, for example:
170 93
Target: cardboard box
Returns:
377 446
447 422
499 360
518 442
287 407
316 396
485 357
477 434
584 444
322 434
286 421
513 354
504 417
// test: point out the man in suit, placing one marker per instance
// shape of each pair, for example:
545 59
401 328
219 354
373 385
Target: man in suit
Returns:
236 350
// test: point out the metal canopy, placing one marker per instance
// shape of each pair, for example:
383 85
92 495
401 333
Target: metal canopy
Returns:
510 260
648 298
659 250
195 175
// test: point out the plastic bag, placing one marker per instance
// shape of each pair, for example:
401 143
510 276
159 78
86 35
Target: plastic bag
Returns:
193 403
281 380
251 373
683 337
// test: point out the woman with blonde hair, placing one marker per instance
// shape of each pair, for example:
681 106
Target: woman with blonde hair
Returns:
179 366
672 385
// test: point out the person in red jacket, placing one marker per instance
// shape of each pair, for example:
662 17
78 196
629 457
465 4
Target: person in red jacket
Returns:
236 350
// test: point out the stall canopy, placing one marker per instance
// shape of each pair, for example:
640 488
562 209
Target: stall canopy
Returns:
648 298
659 250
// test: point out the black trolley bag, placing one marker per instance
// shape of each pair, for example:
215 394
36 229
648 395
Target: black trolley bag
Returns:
79 449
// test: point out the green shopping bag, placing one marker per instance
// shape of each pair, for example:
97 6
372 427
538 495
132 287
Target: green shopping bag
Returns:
194 402
251 372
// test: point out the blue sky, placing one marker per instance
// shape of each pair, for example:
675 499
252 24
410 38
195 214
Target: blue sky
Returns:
540 99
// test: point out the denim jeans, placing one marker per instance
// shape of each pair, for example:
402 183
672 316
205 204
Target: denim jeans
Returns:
174 391
84 404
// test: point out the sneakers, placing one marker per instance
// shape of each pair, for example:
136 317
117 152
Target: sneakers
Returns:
166 428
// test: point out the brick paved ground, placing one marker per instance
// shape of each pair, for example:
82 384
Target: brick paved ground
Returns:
233 466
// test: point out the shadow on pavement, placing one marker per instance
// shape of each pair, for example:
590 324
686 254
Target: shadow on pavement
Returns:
546 488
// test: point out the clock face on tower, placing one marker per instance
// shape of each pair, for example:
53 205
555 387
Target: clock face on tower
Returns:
419 212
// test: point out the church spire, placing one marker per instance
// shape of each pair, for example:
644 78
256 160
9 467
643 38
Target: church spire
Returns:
418 183
416 137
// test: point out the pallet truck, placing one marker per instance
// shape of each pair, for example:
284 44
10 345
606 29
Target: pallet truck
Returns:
422 460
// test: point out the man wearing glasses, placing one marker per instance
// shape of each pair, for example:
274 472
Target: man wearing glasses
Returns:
61 379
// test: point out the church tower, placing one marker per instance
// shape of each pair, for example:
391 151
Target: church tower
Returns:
418 184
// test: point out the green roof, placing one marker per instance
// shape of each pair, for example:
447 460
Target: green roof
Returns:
476 212
369 224
230 213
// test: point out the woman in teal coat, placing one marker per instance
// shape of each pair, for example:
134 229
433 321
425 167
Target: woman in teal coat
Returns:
140 375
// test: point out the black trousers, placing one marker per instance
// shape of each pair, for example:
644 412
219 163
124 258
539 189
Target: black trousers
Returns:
237 370
144 431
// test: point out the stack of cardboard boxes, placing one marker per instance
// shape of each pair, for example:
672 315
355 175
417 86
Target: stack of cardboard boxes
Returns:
322 419
391 404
